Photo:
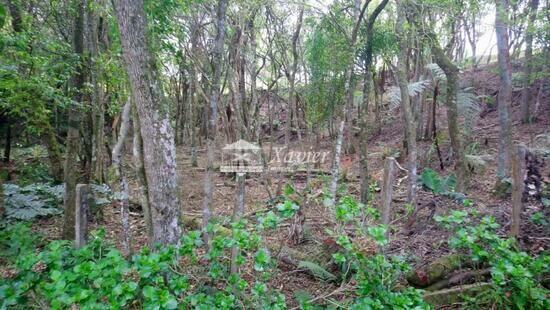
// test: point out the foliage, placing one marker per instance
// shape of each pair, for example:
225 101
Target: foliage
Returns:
431 180
31 201
516 276
24 203
98 276
377 275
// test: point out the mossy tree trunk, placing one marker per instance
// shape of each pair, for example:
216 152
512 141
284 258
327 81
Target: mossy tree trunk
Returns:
153 111
73 134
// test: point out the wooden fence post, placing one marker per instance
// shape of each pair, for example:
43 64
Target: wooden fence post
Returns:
387 189
81 214
518 186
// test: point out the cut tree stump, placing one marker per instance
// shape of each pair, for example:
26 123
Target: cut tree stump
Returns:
81 214
387 189
518 186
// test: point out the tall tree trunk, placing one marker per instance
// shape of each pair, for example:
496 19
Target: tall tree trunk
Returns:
71 150
504 98
451 72
402 80
159 149
98 96
363 137
253 72
120 178
139 166
213 117
349 88
294 68
527 92
191 115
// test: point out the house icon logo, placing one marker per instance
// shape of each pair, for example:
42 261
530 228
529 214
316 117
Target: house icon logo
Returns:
241 156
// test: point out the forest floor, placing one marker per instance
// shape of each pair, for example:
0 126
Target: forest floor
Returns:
424 243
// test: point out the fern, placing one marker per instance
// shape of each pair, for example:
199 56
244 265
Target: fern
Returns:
468 108
437 72
317 271
415 89
28 202
23 203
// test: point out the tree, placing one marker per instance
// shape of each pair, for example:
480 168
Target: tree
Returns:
349 87
527 91
73 134
213 115
402 81
363 138
451 73
504 97
153 111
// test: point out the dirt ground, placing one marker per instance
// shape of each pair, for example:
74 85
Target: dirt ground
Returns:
427 240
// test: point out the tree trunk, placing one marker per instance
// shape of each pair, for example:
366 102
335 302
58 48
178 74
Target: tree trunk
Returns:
451 72
139 167
54 153
191 120
527 92
153 110
237 215
349 88
504 98
120 177
98 96
363 137
410 126
71 150
213 117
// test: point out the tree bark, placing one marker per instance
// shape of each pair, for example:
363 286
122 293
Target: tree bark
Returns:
363 135
451 72
518 186
153 111
98 97
139 166
213 117
527 92
410 126
120 177
387 190
349 88
71 150
504 98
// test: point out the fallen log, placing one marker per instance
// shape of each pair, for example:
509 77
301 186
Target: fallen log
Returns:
314 259
460 278
437 270
456 294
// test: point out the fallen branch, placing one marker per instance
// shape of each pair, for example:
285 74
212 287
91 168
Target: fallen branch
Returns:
455 294
460 278
436 270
